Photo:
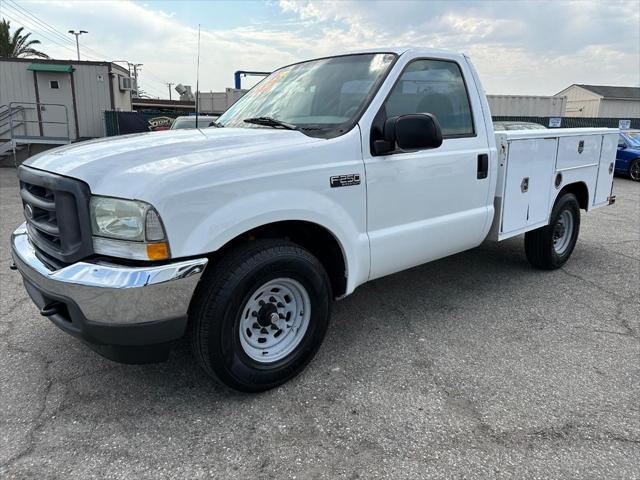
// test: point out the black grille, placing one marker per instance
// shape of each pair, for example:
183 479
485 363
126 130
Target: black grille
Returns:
56 209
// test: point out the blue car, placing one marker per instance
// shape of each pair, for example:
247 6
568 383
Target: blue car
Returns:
628 157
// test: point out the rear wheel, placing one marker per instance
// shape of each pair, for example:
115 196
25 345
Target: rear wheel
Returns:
549 247
260 315
634 170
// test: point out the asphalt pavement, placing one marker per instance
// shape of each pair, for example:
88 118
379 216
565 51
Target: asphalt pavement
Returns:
474 366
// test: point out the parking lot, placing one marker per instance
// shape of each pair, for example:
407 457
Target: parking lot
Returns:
473 366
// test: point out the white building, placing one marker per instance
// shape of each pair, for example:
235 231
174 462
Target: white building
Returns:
57 101
602 101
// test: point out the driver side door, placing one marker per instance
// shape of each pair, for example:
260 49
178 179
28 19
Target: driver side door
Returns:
426 204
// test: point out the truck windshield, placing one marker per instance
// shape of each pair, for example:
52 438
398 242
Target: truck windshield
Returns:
317 96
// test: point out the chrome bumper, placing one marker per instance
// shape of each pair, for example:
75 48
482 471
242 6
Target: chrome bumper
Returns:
111 294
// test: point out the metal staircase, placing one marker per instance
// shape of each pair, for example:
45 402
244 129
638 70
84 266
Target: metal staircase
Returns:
24 123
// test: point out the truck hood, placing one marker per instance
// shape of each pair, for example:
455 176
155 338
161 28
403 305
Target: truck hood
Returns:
150 156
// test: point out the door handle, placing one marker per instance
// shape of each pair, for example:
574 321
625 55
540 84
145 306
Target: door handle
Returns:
483 166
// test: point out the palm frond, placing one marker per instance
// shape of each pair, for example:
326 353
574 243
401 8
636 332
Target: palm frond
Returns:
16 44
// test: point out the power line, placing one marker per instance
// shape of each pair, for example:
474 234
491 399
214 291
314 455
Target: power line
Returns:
23 16
37 31
45 30
23 12
19 9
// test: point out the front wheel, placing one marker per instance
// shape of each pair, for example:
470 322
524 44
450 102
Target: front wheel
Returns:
634 170
260 315
549 247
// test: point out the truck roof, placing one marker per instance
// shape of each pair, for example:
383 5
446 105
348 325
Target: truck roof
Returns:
416 50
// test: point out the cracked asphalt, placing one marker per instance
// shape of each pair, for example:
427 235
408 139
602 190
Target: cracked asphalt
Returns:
474 366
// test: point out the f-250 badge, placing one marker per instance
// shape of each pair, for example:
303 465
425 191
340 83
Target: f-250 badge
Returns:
345 180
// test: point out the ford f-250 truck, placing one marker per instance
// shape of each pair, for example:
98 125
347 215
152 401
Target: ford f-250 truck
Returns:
327 174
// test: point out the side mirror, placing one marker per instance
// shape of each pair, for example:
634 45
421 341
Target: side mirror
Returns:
417 131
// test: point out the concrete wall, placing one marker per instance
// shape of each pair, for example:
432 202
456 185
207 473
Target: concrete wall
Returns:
527 106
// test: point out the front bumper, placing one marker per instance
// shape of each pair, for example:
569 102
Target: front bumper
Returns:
128 314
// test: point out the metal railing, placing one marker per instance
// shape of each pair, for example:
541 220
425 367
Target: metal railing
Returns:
5 115
40 122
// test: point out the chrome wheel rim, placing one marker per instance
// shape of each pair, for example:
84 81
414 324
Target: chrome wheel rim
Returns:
274 320
634 171
562 232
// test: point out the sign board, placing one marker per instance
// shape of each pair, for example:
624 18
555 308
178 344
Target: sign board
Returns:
624 124
555 122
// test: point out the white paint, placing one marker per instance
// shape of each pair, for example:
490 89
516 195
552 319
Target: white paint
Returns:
539 157
212 185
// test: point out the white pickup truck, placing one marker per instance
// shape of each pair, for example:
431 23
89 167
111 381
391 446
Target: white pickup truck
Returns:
327 174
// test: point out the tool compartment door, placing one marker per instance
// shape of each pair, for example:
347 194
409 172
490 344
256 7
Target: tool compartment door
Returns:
529 175
605 169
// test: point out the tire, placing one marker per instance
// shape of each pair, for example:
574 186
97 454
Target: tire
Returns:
253 292
549 247
634 170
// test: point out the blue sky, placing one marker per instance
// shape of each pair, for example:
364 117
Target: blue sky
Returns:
518 47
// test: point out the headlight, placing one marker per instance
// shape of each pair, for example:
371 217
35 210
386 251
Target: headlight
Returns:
127 228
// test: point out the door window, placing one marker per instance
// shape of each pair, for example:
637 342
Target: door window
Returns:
436 87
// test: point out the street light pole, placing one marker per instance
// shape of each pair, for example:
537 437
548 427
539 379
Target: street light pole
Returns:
169 84
77 34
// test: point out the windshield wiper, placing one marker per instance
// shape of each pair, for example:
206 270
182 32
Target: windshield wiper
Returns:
271 122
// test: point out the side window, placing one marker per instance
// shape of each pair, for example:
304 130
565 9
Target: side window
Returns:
436 87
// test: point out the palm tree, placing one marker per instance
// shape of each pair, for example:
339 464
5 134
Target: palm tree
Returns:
17 45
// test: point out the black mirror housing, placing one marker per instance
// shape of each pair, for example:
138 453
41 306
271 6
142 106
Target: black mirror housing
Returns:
416 131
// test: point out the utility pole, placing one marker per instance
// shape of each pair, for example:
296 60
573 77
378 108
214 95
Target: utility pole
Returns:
136 66
77 34
169 84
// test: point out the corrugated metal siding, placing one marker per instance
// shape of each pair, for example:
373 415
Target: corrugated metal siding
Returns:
527 105
92 98
16 85
619 108
121 98
218 102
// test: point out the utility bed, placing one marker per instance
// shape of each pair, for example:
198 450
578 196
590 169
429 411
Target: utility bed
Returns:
533 165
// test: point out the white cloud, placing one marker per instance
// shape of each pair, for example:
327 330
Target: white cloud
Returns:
518 47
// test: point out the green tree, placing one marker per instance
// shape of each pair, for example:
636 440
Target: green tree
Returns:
17 45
